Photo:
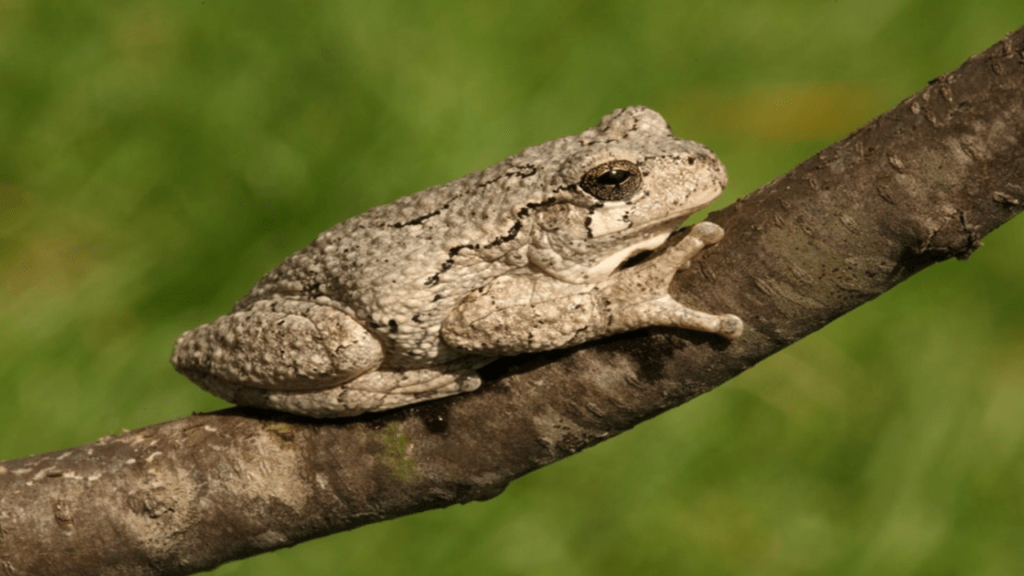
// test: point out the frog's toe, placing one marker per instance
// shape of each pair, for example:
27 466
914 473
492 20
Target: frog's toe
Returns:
708 232
730 326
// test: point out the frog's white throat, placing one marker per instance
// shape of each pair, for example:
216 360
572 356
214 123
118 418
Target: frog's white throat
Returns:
604 268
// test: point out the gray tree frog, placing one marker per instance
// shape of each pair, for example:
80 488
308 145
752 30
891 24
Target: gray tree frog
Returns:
405 302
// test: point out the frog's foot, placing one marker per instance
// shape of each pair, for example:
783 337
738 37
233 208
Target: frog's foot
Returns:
278 345
372 392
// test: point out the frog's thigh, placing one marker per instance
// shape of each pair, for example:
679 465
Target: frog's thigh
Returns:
515 314
371 392
278 345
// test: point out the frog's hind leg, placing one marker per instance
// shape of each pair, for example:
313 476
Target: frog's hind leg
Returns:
277 345
372 392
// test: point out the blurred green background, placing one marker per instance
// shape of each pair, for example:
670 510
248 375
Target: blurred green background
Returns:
156 158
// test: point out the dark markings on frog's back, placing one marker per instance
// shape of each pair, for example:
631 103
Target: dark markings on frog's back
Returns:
420 219
512 233
452 252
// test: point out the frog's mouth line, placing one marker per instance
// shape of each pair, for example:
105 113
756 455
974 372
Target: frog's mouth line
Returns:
614 221
642 233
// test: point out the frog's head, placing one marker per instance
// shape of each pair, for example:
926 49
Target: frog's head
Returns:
622 188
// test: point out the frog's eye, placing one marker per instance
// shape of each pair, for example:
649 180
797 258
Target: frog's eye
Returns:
615 180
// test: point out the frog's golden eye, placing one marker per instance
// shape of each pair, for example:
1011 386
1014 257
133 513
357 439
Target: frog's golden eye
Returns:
615 180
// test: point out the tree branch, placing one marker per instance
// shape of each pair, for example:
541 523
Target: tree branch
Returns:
922 183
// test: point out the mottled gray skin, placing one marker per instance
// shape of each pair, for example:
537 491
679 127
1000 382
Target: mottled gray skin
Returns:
403 303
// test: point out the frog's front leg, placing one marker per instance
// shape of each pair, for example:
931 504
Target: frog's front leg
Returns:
516 314
280 345
652 278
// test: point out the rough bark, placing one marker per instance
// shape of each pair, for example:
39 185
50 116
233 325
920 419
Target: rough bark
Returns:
920 184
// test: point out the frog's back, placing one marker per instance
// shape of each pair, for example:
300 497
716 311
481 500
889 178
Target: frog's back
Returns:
405 258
